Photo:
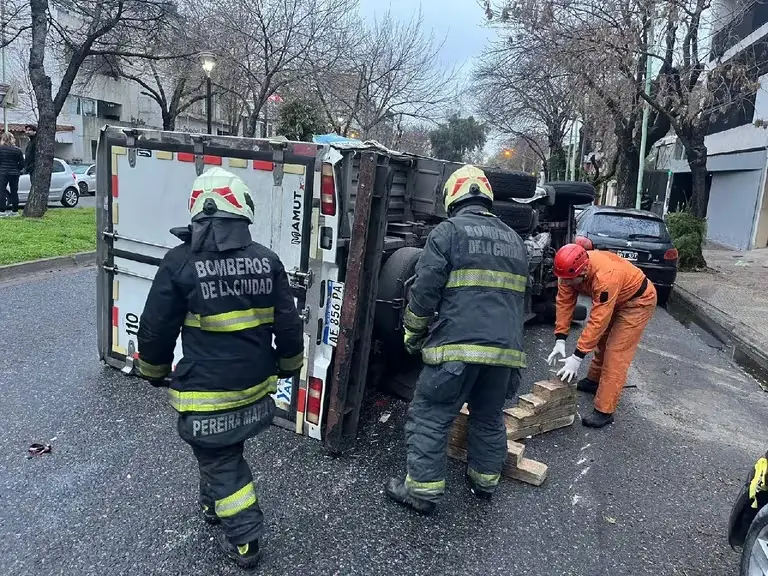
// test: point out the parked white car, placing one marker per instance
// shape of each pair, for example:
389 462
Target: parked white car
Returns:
86 178
64 188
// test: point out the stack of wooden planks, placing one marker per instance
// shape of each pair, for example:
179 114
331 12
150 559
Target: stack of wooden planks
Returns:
551 405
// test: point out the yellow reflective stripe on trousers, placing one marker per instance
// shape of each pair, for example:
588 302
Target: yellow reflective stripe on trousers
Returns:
153 370
231 321
292 363
474 354
425 488
198 401
237 502
484 480
473 278
415 323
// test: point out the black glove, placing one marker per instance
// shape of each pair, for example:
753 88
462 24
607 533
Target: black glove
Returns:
283 374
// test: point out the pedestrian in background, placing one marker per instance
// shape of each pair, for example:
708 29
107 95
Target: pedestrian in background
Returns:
30 151
11 165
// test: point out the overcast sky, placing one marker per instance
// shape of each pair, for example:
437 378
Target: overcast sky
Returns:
460 22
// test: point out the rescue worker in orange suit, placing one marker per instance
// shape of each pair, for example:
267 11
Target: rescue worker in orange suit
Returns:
623 301
228 296
472 274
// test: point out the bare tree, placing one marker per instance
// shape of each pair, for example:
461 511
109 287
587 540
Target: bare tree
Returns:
75 32
389 72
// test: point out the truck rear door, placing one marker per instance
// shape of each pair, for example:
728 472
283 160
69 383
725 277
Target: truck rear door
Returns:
144 183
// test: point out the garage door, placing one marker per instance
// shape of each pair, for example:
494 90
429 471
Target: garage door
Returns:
731 211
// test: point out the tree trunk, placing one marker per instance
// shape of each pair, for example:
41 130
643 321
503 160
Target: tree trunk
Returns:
556 166
169 120
626 168
250 128
696 154
37 203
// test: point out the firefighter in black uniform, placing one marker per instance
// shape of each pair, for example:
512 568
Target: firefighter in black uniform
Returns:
228 296
472 274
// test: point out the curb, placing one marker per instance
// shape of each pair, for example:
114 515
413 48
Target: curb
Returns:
743 340
80 259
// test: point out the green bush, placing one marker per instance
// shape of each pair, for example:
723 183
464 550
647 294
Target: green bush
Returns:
688 234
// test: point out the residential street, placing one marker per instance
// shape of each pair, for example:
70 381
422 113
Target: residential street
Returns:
648 495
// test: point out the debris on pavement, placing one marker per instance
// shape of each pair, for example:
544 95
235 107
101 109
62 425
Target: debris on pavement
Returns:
37 449
384 417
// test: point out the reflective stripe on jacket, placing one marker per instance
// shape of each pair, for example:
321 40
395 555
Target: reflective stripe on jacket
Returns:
473 273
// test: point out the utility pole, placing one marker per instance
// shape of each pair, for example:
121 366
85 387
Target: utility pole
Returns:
646 112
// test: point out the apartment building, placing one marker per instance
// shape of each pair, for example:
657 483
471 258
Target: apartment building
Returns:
737 138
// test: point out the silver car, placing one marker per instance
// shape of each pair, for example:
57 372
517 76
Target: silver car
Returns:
86 178
64 188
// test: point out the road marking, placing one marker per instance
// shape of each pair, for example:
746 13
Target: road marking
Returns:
708 367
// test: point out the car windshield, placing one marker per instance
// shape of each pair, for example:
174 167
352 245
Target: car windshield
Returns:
79 169
628 227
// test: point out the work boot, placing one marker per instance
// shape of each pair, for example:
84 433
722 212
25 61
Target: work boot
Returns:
597 419
397 491
587 385
208 514
246 556
477 490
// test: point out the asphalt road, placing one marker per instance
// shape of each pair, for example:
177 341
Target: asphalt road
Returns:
649 495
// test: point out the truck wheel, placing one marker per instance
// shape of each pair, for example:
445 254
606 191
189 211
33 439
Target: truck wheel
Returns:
398 268
508 185
573 192
520 217
753 555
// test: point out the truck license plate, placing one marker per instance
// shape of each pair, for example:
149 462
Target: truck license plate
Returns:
628 254
333 313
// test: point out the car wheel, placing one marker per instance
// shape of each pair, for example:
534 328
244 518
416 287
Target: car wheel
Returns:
83 188
520 217
662 295
508 185
573 193
70 198
754 554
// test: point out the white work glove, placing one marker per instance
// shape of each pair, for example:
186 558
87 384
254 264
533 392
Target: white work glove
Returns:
558 350
571 367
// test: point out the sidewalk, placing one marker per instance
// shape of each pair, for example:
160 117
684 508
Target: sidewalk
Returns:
731 300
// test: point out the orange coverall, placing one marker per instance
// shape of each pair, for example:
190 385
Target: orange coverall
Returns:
616 323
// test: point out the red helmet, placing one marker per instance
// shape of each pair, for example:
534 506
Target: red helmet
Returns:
571 261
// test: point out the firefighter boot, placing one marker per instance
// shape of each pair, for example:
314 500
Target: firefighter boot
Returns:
246 556
208 514
397 491
477 490
597 419
587 385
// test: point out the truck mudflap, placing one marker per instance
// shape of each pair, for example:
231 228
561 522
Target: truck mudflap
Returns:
144 180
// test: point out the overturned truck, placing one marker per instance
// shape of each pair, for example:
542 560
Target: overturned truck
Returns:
348 221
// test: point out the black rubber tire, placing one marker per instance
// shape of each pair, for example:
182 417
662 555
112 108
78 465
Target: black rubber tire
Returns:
662 295
68 199
573 192
520 217
398 268
507 184
759 523
83 187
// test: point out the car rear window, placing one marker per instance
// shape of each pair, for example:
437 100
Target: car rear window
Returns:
626 226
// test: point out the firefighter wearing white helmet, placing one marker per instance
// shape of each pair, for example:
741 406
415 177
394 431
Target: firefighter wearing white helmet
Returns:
229 298
465 318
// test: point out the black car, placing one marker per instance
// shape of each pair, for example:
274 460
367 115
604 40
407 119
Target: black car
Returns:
637 235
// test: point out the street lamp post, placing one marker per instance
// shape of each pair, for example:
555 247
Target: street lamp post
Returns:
208 61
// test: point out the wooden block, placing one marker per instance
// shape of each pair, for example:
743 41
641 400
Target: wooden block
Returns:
515 422
553 389
518 413
514 451
527 470
532 402
520 433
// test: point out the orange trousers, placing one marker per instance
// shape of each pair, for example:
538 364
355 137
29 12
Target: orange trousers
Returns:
616 348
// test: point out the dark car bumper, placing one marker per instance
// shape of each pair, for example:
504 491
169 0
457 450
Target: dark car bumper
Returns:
662 275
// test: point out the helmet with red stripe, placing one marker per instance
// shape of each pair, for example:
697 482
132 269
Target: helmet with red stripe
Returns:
466 184
219 193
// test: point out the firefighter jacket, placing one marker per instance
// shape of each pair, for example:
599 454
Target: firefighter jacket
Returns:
228 296
472 274
611 282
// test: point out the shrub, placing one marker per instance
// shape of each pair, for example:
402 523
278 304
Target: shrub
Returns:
688 234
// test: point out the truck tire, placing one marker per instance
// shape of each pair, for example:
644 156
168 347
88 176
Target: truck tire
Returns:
398 268
508 185
573 192
520 217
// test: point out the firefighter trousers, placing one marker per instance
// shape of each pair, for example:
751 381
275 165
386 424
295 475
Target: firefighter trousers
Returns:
226 485
616 349
440 393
